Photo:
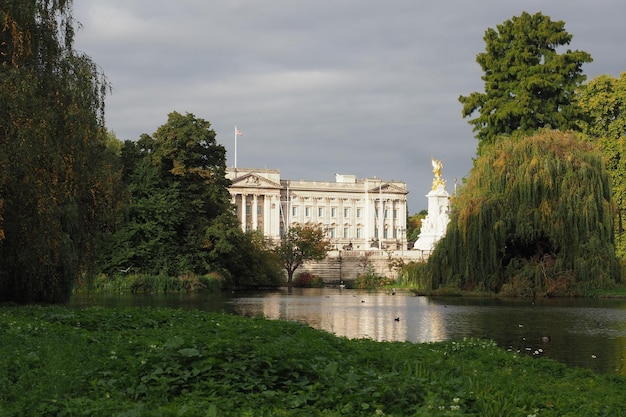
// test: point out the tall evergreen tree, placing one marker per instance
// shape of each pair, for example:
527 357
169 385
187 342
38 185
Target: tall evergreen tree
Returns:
55 186
528 83
535 217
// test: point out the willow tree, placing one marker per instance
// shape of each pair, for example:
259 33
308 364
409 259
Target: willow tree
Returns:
534 217
529 82
54 181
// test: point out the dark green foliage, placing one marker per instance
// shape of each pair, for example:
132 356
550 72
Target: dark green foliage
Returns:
57 178
528 83
156 284
160 362
179 217
534 218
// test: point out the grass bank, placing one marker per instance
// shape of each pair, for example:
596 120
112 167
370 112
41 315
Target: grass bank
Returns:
161 362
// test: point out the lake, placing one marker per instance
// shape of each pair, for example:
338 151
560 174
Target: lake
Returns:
588 333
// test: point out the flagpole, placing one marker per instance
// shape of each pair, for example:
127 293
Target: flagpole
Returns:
236 148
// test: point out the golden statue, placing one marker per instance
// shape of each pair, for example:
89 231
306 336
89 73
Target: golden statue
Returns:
437 166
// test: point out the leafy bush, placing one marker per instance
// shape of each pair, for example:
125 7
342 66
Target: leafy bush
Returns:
157 284
370 279
308 280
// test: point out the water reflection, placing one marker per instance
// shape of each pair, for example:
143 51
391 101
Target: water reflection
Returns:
376 316
582 332
586 333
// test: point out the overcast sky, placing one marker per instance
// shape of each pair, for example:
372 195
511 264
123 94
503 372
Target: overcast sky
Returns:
320 87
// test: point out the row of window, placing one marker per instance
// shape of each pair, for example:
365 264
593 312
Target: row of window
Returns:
320 212
332 233
333 212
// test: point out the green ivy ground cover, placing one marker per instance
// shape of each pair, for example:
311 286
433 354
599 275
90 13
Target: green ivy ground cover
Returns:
162 362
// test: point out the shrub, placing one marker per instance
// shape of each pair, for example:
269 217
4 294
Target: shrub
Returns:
157 284
308 280
370 279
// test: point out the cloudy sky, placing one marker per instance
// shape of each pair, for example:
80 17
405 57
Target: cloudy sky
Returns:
320 87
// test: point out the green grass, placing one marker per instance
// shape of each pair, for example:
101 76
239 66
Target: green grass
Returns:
161 362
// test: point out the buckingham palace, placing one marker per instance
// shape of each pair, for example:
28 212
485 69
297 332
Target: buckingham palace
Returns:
360 214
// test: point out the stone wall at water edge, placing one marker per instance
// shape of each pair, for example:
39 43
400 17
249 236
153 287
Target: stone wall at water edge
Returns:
348 265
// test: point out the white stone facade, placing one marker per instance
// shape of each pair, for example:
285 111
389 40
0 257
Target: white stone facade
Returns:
359 214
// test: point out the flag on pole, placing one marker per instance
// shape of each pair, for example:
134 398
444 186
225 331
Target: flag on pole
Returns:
238 132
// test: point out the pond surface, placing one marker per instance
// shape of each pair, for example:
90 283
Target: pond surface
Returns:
588 333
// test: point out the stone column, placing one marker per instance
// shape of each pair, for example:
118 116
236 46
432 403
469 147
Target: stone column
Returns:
255 217
267 217
243 212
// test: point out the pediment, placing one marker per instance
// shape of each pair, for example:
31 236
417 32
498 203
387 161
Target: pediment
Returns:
388 188
253 181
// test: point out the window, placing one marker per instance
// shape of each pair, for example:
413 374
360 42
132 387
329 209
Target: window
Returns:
294 211
333 212
385 234
358 212
307 211
395 213
320 212
346 212
386 213
333 233
359 233
259 210
346 232
395 233
376 213
248 209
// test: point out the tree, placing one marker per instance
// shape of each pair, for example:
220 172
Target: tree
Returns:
414 225
603 99
146 237
178 188
57 176
188 156
301 243
528 83
534 218
179 218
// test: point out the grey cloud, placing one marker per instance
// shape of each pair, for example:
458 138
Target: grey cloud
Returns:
317 86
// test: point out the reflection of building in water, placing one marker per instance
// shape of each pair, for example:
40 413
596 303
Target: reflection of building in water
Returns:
354 315
374 317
